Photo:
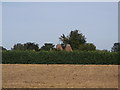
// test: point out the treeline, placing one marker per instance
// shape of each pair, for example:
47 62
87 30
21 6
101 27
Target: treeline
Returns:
76 39
82 52
49 46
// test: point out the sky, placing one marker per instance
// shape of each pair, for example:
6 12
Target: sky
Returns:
0 23
45 22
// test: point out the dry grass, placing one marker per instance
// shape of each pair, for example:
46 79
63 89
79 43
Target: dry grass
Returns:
59 76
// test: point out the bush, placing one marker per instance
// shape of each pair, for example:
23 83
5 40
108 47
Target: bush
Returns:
61 57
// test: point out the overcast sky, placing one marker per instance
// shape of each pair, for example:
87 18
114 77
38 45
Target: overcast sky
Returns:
43 22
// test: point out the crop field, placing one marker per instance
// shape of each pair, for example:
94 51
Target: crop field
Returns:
59 76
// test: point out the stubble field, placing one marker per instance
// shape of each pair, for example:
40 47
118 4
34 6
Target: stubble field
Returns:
59 76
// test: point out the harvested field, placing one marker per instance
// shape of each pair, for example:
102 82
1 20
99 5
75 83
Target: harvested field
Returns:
59 76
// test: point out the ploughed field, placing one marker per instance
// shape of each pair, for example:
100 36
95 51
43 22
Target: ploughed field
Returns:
59 76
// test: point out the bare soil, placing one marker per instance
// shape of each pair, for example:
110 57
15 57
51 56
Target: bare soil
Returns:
59 76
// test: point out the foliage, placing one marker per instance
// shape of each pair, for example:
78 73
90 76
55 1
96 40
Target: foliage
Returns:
31 46
47 47
74 39
105 50
116 47
63 46
26 46
87 47
18 46
61 57
2 48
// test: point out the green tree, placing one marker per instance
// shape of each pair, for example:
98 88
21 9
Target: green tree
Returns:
26 46
87 47
18 46
31 46
74 39
116 47
47 47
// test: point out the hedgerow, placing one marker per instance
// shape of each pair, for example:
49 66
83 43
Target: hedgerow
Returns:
59 57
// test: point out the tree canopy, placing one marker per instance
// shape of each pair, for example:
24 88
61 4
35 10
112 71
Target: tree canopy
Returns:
116 47
87 47
26 46
75 38
47 47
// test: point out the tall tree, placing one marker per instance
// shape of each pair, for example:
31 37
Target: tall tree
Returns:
75 38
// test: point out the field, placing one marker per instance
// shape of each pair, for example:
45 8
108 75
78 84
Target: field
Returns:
59 76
